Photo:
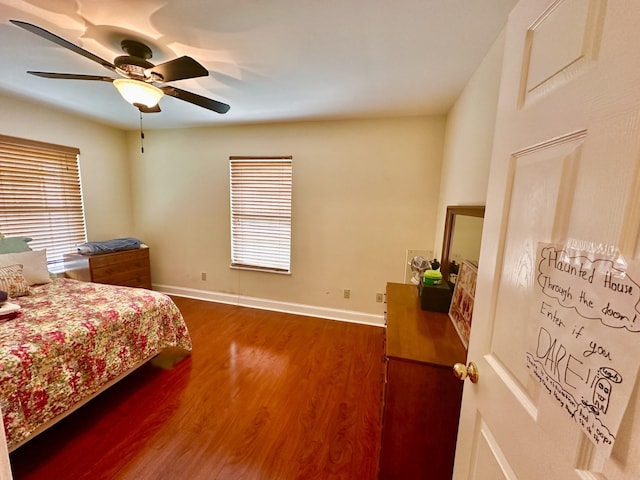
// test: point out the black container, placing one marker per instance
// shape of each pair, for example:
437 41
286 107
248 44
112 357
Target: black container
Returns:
435 298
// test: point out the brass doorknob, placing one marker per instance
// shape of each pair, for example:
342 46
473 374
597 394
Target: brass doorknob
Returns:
461 371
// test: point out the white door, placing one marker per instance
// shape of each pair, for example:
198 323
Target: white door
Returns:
565 165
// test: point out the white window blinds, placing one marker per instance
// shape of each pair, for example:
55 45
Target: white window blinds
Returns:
40 195
261 212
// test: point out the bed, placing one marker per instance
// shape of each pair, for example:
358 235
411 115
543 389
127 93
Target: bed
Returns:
73 339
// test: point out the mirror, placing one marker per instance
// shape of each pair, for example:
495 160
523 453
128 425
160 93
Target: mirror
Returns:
462 237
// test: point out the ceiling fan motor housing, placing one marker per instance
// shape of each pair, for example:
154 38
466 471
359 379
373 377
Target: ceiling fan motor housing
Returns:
135 62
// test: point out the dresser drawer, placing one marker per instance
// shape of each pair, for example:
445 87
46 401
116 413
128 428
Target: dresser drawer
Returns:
118 258
134 266
119 277
141 280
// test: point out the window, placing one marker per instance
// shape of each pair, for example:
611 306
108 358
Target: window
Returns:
40 196
261 213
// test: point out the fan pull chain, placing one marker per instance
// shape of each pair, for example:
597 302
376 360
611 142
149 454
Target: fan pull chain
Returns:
141 135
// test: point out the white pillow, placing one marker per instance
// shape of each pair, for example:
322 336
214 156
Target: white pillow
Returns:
34 265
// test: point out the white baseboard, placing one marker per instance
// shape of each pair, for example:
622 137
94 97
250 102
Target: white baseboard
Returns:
264 304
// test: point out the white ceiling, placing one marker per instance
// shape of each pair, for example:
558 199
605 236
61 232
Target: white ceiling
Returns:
271 60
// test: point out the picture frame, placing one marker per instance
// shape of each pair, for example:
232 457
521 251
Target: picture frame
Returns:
461 310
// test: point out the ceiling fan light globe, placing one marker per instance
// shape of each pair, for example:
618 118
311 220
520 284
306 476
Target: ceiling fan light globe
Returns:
137 92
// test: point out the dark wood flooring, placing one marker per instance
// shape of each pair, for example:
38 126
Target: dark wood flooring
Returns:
264 395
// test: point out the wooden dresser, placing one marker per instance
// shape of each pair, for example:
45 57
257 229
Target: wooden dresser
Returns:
129 268
422 396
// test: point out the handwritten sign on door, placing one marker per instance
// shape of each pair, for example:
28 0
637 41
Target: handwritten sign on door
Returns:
583 347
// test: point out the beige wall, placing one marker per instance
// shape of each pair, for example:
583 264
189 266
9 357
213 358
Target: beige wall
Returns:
469 140
363 192
103 160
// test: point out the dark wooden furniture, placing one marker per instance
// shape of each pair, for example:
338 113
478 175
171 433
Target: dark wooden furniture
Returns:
422 396
129 268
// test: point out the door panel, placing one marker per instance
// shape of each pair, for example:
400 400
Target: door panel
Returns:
565 166
490 461
541 183
560 45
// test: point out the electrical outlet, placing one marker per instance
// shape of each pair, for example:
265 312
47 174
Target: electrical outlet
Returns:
346 293
203 276
379 297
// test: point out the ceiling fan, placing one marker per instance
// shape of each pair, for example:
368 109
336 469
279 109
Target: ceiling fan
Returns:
138 75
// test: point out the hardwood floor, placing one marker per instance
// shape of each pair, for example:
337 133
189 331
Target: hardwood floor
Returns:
264 395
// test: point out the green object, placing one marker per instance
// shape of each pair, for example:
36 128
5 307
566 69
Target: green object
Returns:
14 244
432 277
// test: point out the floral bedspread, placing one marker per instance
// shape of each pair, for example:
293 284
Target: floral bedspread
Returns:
71 338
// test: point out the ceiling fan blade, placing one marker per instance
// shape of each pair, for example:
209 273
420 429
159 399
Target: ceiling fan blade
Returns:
71 76
196 99
178 69
41 32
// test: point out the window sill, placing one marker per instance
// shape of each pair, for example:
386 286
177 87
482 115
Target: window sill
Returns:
56 269
258 269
